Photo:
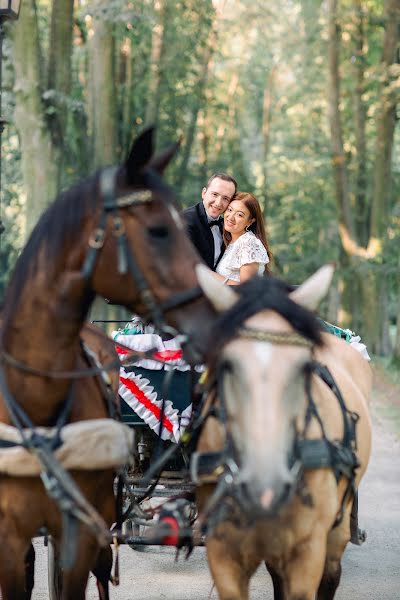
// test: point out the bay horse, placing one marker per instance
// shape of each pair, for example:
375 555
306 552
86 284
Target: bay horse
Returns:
118 234
291 434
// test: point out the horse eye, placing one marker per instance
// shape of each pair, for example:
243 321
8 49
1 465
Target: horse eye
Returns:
159 232
226 366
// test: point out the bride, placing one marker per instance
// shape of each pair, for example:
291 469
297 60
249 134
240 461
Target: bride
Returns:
247 252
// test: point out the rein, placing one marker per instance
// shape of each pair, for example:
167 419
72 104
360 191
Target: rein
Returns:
76 374
82 373
58 483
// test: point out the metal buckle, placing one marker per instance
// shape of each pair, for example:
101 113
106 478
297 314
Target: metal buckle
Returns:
118 227
194 467
96 240
232 471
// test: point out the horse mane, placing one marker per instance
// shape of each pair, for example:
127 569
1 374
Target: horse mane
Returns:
58 225
262 293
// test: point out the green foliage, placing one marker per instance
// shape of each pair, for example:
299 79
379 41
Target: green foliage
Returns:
12 208
246 91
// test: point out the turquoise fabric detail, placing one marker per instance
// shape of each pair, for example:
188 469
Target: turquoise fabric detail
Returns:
127 330
344 334
131 331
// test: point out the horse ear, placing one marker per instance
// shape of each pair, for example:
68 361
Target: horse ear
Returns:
139 155
221 296
310 293
160 162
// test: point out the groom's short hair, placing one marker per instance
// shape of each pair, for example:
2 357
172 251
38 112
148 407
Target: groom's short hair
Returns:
223 176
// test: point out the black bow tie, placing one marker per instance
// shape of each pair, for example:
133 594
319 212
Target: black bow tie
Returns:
215 222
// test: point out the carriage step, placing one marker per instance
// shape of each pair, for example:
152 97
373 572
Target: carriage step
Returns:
139 540
163 493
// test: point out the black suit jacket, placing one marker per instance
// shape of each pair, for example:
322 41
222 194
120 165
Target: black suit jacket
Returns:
200 233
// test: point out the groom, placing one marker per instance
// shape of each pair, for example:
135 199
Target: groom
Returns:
203 221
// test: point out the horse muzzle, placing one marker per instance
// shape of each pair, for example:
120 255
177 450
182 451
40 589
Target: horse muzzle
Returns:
267 498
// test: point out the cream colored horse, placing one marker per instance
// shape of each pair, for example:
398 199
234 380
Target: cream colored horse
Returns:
263 382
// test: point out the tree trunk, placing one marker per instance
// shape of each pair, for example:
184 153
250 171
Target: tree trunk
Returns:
126 83
59 75
198 102
396 353
200 98
230 101
346 229
102 111
338 157
378 335
361 207
191 131
39 158
157 60
266 134
385 128
204 125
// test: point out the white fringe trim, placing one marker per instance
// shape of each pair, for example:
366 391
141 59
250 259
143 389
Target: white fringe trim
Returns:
174 425
356 343
147 341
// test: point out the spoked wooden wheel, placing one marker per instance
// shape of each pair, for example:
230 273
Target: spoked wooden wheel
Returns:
54 570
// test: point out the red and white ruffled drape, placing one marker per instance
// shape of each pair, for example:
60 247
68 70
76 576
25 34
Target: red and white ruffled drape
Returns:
137 390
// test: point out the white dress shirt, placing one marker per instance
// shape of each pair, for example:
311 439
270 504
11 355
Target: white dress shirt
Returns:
216 233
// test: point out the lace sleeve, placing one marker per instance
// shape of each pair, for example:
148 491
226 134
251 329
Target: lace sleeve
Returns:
248 249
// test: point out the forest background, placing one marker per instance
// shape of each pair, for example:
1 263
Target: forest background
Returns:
297 99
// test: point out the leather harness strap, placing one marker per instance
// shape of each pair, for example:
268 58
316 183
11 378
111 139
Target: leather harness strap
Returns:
308 454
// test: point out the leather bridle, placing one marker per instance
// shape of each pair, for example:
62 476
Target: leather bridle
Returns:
223 467
127 263
57 481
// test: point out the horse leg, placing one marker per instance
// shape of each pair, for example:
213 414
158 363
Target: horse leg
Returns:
336 543
102 572
277 582
229 574
304 568
330 580
16 577
29 571
74 580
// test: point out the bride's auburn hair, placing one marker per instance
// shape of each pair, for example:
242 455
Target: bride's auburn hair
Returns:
257 227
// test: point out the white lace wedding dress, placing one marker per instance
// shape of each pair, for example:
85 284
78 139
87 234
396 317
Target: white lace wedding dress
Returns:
245 250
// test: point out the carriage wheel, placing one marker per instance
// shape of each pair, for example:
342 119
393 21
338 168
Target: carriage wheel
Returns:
54 570
131 528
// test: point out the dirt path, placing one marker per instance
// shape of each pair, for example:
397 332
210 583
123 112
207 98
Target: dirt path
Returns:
370 572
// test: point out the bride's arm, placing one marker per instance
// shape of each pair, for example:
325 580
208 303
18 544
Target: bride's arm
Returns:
225 280
248 271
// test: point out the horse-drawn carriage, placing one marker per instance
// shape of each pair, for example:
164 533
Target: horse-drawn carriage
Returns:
156 396
286 450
